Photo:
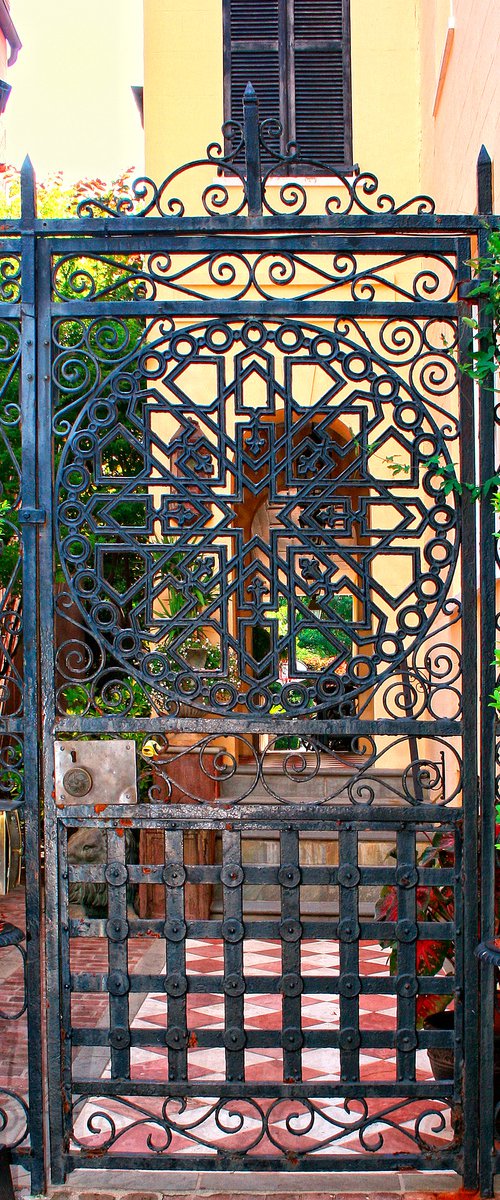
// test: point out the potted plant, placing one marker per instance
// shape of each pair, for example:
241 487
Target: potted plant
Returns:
435 903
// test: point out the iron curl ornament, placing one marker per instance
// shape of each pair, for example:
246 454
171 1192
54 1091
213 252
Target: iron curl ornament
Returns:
270 181
296 1129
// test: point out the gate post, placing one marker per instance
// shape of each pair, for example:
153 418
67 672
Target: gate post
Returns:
469 584
28 516
488 715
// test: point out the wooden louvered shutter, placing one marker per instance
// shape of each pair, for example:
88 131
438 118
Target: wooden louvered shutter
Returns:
321 85
297 55
252 53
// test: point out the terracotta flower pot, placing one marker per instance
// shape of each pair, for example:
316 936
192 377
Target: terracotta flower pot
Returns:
441 1058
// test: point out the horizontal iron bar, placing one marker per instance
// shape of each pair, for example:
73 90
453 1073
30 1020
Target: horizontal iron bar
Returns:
369 930
231 307
257 244
202 816
32 516
283 222
379 1039
150 873
233 725
9 311
11 724
431 1159
271 1039
199 1088
256 985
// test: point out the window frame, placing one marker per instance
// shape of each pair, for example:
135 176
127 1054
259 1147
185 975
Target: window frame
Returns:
287 44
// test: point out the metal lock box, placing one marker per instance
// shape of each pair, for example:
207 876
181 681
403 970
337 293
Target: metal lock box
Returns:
95 772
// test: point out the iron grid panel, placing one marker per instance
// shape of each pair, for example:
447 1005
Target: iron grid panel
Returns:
176 1042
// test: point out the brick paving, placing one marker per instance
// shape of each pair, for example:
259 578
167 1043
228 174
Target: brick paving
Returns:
70 1194
111 1185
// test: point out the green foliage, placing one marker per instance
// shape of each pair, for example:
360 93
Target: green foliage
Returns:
451 482
56 196
310 642
434 903
484 357
287 743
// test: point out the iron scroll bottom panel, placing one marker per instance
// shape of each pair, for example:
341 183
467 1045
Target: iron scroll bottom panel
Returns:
200 1031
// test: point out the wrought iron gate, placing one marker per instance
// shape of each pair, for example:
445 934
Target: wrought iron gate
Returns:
257 605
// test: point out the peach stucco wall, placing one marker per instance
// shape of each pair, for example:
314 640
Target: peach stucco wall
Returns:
467 113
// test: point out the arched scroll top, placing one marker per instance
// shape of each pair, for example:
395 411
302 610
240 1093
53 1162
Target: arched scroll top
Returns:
272 178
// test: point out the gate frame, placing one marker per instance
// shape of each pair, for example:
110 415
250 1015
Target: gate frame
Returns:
37 236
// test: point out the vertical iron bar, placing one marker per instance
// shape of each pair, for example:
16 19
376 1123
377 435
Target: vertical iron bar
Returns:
117 935
287 72
291 934
252 152
175 962
234 987
350 983
412 740
488 715
47 687
460 1010
469 740
66 998
30 673
406 880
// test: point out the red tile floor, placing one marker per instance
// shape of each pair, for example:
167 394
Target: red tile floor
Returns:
335 1130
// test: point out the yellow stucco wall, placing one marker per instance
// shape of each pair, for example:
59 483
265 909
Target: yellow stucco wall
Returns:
399 132
183 91
385 98
183 97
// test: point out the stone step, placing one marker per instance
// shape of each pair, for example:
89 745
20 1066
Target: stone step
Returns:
311 908
317 848
317 783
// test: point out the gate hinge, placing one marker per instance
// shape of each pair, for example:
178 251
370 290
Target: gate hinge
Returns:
32 516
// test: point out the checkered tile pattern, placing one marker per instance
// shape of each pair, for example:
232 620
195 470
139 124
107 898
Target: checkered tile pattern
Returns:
263 1011
263 1064
390 1118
